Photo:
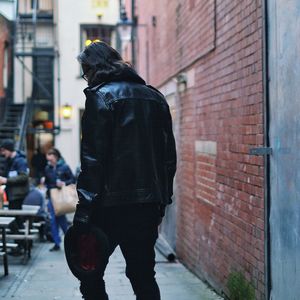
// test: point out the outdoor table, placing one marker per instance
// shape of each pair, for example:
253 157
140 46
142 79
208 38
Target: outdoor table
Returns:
28 212
4 223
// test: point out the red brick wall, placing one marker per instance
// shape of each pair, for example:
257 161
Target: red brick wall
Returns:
3 38
220 225
4 42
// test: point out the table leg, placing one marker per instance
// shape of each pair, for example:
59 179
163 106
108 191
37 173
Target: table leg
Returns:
5 263
27 231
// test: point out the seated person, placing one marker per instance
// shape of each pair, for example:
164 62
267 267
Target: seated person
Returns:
37 198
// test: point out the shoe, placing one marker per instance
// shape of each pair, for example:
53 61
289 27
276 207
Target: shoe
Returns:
55 248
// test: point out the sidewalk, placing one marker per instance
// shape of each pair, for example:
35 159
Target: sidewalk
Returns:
46 277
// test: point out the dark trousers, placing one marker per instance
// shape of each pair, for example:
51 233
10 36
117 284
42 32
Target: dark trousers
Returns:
18 223
55 223
135 229
15 204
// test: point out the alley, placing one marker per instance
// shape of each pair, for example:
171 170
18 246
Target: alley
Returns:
46 276
217 148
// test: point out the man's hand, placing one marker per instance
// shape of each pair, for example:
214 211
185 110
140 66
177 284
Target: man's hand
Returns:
162 210
3 180
60 183
81 228
81 220
42 180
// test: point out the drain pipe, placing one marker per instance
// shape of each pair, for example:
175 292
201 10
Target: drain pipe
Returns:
58 127
266 144
133 33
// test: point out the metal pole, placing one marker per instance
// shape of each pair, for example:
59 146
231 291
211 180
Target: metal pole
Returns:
133 33
58 93
267 199
34 18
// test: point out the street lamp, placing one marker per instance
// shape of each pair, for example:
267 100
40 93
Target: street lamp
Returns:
127 32
124 27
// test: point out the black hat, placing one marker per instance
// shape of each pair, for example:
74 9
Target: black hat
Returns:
86 253
8 144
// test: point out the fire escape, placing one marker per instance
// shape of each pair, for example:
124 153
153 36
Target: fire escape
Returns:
35 54
32 111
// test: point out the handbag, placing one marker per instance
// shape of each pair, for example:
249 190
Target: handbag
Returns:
64 200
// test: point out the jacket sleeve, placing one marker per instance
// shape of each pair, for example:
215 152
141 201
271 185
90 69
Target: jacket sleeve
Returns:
46 171
95 144
69 176
22 174
21 178
170 153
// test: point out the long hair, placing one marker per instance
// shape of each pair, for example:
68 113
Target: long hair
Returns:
102 62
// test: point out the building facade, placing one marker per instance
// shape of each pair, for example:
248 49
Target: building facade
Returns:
229 70
5 62
90 20
47 76
207 58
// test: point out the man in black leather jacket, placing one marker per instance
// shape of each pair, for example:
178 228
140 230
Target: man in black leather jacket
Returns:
128 162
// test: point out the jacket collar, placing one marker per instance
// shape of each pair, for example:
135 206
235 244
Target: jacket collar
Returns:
128 74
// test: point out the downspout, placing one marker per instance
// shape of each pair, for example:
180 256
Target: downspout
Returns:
57 56
133 32
267 200
58 128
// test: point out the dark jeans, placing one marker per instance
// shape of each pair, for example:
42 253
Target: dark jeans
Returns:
134 229
57 222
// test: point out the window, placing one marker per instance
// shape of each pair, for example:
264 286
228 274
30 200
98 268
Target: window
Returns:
92 33
33 4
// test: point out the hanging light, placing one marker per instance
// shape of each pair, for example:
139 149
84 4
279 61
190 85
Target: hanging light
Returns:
66 111
124 26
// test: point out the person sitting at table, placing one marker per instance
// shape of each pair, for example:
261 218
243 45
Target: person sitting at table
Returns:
16 180
57 174
36 197
16 175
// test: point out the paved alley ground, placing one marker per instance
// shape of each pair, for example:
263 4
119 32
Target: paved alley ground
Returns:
46 277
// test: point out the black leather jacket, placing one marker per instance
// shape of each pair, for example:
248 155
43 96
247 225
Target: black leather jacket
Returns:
128 150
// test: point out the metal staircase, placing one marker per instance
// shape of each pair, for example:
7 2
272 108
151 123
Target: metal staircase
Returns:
35 54
14 127
34 39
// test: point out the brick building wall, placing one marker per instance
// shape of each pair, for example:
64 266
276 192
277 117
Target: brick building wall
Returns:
220 219
5 60
4 44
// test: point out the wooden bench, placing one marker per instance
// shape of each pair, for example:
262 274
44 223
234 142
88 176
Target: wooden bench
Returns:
19 236
9 245
38 224
31 231
27 212
4 223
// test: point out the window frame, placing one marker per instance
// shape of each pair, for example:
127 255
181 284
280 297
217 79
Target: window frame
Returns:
85 26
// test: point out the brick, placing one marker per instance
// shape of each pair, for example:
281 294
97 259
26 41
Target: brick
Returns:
220 220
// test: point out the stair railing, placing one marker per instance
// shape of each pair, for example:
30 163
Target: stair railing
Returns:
21 142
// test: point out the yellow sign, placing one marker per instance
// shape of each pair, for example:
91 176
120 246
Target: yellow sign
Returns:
99 3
